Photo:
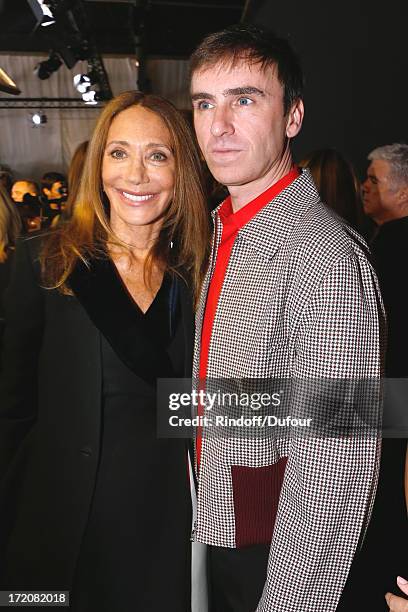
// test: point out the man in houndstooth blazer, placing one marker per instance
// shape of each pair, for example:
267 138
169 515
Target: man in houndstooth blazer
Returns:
289 295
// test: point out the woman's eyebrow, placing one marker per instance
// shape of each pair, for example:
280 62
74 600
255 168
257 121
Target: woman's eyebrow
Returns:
121 142
149 144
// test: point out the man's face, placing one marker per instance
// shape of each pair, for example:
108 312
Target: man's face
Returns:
20 188
381 196
54 193
240 122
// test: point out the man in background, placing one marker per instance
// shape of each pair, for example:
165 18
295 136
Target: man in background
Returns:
25 194
54 195
21 188
385 201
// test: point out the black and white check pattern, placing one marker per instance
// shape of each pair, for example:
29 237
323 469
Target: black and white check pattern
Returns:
299 299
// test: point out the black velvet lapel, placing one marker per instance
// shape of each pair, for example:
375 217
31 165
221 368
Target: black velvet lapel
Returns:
103 296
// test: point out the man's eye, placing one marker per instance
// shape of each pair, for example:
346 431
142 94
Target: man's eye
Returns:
244 101
204 105
158 156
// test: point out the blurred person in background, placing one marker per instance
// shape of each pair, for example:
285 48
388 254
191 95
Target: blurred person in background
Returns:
97 310
6 178
384 555
385 201
25 194
336 182
21 188
10 228
54 193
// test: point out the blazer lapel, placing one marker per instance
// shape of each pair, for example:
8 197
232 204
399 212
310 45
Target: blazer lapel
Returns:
102 294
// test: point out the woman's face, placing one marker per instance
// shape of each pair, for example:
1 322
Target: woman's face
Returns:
137 170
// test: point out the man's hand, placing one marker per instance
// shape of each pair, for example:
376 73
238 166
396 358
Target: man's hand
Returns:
398 604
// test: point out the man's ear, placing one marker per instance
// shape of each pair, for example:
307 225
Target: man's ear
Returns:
46 192
295 119
403 198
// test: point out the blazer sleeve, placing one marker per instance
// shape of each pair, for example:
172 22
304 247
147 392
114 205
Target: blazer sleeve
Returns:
24 314
330 480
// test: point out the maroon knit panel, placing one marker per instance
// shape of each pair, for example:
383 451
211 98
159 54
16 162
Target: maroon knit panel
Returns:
256 498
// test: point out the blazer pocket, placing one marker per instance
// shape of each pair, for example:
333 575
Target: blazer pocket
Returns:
256 494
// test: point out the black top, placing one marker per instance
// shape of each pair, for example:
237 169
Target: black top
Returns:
137 537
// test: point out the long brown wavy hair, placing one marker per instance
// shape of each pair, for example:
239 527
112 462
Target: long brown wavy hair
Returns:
185 224
75 170
336 182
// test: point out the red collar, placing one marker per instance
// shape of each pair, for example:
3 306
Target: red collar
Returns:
246 213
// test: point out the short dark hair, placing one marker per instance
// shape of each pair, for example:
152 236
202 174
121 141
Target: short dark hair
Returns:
49 178
245 41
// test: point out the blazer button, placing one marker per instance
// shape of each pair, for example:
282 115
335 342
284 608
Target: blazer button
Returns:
86 451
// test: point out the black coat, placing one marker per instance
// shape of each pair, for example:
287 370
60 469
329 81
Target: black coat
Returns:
390 254
50 410
384 553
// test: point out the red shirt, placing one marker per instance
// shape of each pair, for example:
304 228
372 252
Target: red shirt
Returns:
231 224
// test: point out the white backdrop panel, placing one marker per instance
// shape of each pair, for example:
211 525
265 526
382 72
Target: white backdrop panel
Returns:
32 151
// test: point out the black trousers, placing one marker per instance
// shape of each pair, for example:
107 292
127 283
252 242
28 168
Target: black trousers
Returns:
236 577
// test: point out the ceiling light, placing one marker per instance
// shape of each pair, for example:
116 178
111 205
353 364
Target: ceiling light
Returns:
38 119
42 12
90 97
82 82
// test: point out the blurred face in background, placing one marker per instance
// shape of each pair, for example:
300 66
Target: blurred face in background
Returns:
138 170
5 181
20 188
383 198
57 191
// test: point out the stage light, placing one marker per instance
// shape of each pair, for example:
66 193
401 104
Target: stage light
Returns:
90 97
45 69
82 82
42 12
38 119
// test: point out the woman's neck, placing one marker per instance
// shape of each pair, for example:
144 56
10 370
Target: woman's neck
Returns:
136 239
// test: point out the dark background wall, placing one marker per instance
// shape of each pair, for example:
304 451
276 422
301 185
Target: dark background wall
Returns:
355 58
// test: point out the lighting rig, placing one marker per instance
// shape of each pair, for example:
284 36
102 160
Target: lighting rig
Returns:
65 26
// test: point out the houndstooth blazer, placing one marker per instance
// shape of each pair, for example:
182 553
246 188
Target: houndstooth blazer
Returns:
299 300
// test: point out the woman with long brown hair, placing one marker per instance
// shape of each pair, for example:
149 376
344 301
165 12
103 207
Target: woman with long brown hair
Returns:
99 309
337 183
75 170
